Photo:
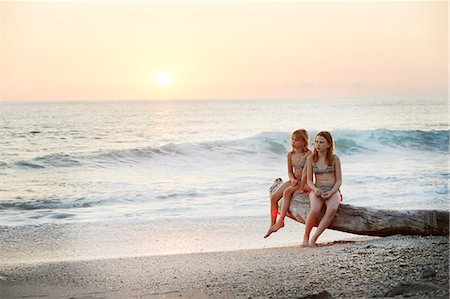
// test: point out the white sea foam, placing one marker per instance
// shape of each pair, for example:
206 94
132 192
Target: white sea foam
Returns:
190 159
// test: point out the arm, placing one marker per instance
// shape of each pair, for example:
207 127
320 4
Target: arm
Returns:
290 172
309 176
304 183
338 174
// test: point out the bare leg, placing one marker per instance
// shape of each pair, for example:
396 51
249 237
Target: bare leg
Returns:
332 206
316 206
274 198
287 195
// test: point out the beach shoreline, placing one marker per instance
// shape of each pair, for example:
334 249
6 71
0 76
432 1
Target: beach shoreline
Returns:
406 266
134 238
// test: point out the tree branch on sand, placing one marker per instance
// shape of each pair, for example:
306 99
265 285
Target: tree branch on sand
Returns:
373 222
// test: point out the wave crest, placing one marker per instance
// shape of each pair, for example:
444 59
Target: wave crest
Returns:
271 144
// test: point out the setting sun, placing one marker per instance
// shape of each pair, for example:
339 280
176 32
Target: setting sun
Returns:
163 78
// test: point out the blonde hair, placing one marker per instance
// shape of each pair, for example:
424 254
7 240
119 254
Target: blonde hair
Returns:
302 134
330 150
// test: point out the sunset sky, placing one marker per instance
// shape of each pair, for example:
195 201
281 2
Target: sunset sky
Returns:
85 50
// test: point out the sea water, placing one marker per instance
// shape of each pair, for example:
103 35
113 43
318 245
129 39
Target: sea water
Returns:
71 162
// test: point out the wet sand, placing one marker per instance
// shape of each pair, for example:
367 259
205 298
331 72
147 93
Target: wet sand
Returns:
403 266
119 239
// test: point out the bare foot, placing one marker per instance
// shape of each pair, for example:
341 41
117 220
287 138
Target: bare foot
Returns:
274 228
305 243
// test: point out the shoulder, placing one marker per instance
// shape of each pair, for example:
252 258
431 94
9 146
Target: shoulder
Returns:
336 159
308 153
289 157
309 159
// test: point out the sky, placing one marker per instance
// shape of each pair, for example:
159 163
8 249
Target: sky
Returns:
118 50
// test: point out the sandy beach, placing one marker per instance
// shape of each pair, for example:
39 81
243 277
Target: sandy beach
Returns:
403 266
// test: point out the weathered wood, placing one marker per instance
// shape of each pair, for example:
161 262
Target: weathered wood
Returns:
373 222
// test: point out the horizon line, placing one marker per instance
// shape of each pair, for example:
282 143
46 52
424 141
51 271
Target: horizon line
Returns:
225 99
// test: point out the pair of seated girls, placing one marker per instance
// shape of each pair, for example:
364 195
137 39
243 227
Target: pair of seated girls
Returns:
318 173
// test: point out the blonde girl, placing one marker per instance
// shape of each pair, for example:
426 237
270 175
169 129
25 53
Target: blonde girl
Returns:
325 166
296 160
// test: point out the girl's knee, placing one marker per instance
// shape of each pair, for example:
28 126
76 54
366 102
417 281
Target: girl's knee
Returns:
332 210
287 192
314 211
274 199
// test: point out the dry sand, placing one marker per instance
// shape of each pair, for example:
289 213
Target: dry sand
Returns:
402 266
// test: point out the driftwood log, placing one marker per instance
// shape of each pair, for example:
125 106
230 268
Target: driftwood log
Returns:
373 222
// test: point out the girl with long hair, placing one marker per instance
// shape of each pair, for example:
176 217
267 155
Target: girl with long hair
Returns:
296 160
325 166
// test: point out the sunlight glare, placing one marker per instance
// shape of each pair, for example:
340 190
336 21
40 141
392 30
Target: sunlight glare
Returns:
163 78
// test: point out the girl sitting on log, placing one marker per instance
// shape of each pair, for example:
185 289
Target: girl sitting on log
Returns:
326 167
296 160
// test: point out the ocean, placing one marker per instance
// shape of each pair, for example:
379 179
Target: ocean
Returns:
71 162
